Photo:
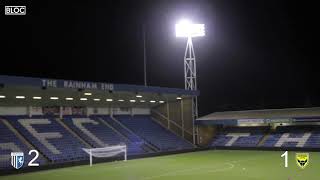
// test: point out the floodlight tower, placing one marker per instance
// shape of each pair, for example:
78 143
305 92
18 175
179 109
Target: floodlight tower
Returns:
188 30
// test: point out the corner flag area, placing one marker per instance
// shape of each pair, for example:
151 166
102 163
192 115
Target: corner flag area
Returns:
213 164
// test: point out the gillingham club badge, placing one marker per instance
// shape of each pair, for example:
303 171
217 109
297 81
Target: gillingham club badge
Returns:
17 159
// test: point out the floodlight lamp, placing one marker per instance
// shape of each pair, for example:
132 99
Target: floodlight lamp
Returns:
186 29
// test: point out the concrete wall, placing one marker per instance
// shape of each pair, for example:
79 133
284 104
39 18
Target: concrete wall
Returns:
141 111
36 110
206 134
98 110
24 110
13 110
180 115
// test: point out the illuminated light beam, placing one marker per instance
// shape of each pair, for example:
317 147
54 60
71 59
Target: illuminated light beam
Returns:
36 97
185 28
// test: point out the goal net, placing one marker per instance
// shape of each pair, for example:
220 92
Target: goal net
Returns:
107 151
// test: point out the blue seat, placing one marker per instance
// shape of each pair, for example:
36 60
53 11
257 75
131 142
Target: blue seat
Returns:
255 135
103 133
153 133
69 147
7 140
294 132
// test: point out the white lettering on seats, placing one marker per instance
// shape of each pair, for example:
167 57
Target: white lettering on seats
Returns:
42 137
235 137
300 141
8 146
78 122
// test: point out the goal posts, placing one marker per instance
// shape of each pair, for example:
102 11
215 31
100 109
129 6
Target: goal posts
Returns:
107 151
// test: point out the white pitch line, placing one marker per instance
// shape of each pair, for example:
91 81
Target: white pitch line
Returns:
177 173
210 170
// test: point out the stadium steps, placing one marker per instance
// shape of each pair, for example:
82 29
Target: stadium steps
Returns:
173 122
263 140
149 146
73 133
156 121
24 140
115 130
144 147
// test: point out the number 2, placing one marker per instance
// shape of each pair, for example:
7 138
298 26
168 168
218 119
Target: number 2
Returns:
31 163
285 154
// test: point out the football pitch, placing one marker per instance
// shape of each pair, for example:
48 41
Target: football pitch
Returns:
202 165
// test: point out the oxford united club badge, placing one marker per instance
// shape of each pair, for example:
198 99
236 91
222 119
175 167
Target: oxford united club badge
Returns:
302 159
17 159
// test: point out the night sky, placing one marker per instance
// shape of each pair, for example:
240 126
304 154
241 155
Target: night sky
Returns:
256 54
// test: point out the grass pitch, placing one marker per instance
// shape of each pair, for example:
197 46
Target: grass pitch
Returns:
204 165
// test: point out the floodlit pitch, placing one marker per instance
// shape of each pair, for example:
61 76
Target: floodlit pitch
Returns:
204 165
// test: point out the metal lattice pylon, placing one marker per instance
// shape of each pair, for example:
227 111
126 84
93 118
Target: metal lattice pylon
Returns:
190 71
190 78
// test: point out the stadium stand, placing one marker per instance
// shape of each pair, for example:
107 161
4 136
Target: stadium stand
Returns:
59 118
49 137
294 136
153 133
98 134
239 136
9 142
119 127
131 136
282 136
140 133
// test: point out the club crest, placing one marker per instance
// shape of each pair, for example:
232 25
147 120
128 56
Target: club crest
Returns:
302 159
17 159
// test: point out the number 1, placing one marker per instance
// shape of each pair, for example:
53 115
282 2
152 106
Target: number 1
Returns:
285 154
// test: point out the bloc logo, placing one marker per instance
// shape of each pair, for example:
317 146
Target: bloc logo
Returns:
302 159
17 159
15 10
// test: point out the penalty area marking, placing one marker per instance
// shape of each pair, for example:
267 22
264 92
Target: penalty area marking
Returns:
178 172
191 171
